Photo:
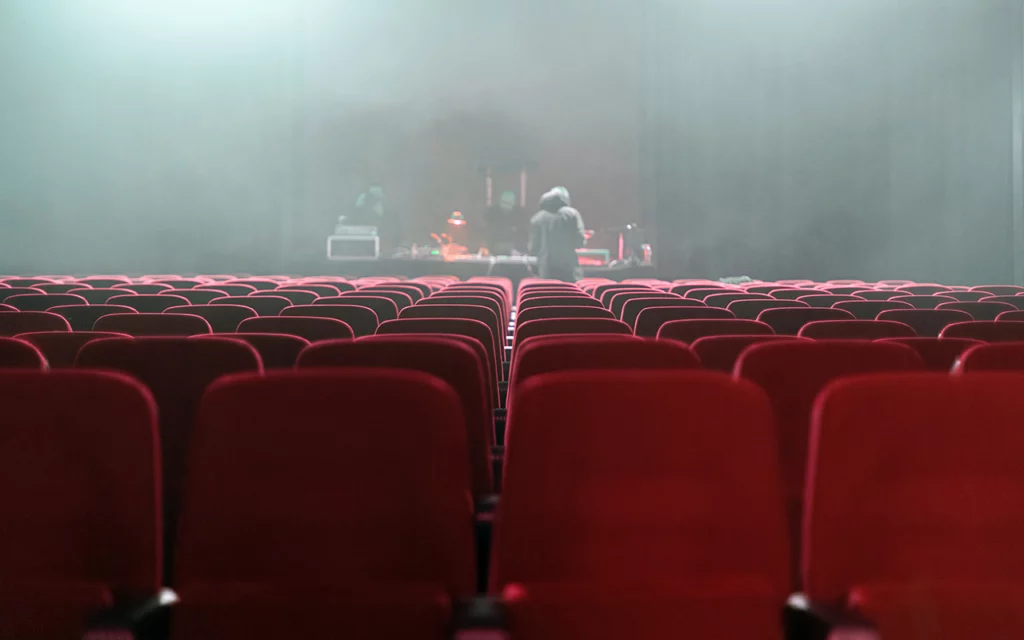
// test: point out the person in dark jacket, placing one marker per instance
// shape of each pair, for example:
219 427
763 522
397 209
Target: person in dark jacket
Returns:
556 231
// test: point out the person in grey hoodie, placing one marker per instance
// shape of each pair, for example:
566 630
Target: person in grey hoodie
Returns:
556 231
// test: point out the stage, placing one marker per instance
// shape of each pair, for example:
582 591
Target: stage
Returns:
513 269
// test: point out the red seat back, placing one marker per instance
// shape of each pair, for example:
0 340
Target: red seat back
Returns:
937 505
79 499
450 360
856 330
389 555
312 329
938 355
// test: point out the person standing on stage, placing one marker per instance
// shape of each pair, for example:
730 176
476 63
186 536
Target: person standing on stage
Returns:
556 231
370 211
504 222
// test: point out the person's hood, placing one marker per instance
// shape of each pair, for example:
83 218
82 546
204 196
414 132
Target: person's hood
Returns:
555 199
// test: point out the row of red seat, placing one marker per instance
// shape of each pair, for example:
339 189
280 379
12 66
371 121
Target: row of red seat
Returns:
362 528
618 537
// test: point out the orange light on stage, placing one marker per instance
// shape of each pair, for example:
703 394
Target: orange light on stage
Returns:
457 220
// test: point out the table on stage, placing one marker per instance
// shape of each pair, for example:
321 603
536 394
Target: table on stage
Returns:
514 268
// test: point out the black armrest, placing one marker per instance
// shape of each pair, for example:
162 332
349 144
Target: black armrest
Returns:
806 620
487 504
500 420
134 618
480 617
503 393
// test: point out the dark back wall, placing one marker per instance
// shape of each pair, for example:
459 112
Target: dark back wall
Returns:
838 139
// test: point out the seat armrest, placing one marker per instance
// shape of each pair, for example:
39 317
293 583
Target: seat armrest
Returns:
480 618
134 618
500 420
807 620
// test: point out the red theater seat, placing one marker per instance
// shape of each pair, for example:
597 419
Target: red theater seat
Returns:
43 301
869 309
651 319
384 308
986 331
414 293
856 330
61 348
633 308
826 301
453 361
152 324
882 295
1000 289
720 353
478 301
620 299
312 329
321 290
549 313
13 323
144 289
554 354
233 290
103 282
795 294
936 551
10 292
388 556
968 296
1008 356
751 309
559 301
263 306
473 329
703 294
84 317
222 318
1017 302
400 298
181 284
276 351
483 314
79 499
928 323
725 300
149 303
198 296
689 331
21 354
576 326
99 296
982 311
926 302
608 531
789 322
293 296
258 284
938 354
177 371
793 373
924 289
361 320
341 285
